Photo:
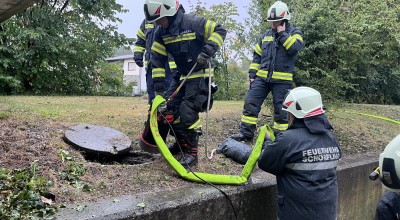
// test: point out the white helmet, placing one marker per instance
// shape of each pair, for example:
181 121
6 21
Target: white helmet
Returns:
156 9
389 165
278 11
303 102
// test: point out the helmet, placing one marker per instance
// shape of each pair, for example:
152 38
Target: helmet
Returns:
278 11
303 102
389 164
156 9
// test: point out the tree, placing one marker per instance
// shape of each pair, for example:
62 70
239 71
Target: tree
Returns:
231 50
55 46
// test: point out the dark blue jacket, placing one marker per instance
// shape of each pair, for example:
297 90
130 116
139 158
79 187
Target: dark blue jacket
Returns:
144 41
275 55
388 207
304 160
186 37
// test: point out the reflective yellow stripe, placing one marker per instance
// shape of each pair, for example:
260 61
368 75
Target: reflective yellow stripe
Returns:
257 49
254 66
267 39
179 38
158 72
159 48
249 120
145 63
215 37
200 73
209 29
149 26
176 121
290 41
280 127
172 65
282 76
139 49
141 34
262 73
195 125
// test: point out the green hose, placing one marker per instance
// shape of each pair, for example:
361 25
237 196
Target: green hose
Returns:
199 177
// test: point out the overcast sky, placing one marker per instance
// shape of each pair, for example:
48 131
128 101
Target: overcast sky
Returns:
132 19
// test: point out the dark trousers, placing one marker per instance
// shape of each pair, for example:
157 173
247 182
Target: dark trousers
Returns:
255 97
149 81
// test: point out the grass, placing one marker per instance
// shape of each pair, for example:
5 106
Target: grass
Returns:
32 127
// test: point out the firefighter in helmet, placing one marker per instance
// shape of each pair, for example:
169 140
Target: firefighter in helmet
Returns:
389 164
304 159
271 71
190 40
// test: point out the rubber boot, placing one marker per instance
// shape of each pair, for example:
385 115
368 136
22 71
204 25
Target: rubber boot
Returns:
189 157
240 137
175 149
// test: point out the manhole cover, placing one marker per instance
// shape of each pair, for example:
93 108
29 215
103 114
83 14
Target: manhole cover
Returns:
99 140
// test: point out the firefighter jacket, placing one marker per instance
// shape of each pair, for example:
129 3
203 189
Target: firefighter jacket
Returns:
145 38
186 37
275 55
388 206
304 159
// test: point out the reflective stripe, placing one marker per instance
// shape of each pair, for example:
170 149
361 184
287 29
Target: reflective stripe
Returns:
262 73
141 34
179 38
146 63
159 48
254 66
215 37
267 39
158 72
202 73
249 120
209 29
290 41
149 26
178 120
312 166
172 65
257 49
282 76
195 125
280 127
139 49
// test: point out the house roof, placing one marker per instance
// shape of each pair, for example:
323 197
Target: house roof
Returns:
9 8
118 58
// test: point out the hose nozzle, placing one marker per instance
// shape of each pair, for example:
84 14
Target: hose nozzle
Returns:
375 174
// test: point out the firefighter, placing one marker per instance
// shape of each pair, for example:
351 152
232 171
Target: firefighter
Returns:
271 71
142 47
389 164
190 40
304 159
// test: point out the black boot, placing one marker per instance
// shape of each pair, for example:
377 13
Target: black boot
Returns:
189 157
240 137
175 149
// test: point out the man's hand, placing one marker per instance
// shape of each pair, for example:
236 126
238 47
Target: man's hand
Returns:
202 59
281 28
139 63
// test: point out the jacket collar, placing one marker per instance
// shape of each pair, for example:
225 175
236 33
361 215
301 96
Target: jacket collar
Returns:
173 29
316 124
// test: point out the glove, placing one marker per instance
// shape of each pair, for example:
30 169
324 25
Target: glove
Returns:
202 59
139 63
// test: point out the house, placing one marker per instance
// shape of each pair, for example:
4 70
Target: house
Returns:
132 73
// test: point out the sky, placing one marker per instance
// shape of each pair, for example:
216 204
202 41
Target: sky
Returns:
132 19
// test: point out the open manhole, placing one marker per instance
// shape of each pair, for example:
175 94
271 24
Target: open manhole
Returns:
105 145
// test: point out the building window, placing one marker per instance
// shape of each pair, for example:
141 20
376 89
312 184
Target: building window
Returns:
131 66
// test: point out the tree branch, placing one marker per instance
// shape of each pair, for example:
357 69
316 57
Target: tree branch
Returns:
64 6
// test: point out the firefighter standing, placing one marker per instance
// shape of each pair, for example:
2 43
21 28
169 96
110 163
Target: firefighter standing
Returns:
145 38
304 158
271 71
189 39
388 207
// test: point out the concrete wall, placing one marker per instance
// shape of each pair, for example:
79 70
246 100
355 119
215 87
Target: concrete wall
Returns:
358 197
